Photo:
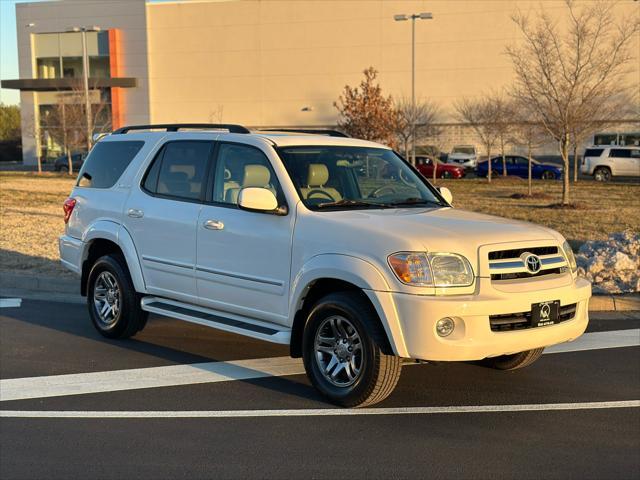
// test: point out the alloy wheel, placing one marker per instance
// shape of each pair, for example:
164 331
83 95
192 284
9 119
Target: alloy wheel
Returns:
338 351
106 298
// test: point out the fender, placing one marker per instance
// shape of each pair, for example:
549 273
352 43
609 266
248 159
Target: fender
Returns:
363 275
116 233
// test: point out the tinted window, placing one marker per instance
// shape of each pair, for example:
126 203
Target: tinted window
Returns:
635 153
593 152
106 163
620 153
179 170
241 166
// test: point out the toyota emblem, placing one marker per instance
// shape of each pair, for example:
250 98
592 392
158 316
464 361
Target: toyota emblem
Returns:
533 263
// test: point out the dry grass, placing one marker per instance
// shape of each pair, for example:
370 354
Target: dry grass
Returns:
31 212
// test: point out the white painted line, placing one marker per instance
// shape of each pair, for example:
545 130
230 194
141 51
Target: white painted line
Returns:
10 302
213 372
599 340
133 379
317 412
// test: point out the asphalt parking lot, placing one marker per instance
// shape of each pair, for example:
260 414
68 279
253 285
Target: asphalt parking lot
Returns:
184 401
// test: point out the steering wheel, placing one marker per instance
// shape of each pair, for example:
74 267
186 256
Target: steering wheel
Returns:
375 193
405 180
322 193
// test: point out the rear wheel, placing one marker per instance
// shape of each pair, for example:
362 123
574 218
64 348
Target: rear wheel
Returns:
515 361
114 305
446 174
343 352
602 174
63 169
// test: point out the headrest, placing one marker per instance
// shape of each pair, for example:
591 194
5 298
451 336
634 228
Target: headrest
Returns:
256 176
177 176
318 175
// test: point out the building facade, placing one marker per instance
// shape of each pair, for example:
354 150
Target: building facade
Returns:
261 63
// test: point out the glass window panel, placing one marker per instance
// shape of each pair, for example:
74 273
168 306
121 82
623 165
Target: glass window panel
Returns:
99 67
48 67
46 45
103 43
183 168
106 163
72 67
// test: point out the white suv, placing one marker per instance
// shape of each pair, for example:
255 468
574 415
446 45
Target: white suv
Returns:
300 240
604 162
464 156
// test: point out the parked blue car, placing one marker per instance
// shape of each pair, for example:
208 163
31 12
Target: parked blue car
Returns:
519 166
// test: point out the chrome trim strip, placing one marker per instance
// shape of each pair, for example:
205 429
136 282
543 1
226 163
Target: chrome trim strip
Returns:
167 262
503 265
240 277
551 261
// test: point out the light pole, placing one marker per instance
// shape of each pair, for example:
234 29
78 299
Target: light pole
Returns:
85 78
403 18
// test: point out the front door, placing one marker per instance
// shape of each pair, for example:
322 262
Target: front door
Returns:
161 216
244 258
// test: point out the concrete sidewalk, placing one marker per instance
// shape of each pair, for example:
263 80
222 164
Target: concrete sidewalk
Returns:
40 287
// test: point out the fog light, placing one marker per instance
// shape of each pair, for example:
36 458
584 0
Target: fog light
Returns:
445 326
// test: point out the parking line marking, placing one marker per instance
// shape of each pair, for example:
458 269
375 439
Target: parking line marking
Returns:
599 340
10 302
317 412
153 377
213 372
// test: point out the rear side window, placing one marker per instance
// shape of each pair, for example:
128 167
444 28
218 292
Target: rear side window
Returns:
106 163
179 170
593 152
620 153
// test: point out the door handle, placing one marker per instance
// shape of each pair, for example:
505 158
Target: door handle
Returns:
213 225
135 213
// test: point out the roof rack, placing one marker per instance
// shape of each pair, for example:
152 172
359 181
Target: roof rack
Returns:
319 131
174 127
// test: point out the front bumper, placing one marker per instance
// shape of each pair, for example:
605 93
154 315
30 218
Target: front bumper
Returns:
473 338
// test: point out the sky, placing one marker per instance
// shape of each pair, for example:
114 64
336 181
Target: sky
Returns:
8 49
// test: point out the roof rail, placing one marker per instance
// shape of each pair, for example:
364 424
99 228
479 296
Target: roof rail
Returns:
174 127
311 131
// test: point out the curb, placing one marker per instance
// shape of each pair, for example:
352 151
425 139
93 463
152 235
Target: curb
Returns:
49 287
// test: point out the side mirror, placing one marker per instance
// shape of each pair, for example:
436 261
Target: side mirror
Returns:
446 194
257 199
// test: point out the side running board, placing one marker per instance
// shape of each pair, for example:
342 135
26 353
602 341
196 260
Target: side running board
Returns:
222 321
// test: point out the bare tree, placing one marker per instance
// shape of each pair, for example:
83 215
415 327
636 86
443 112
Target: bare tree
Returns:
503 118
66 122
528 132
423 115
365 112
480 114
559 72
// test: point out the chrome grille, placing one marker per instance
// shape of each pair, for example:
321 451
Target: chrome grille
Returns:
511 264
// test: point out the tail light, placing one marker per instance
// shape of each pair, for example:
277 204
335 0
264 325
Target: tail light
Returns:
68 207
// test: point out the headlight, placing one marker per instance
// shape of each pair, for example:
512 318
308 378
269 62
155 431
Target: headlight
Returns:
432 269
571 259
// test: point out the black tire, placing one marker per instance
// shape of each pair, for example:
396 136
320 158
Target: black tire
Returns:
445 174
63 169
548 175
602 174
379 371
130 318
515 361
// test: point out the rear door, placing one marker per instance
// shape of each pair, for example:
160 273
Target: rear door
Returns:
244 258
161 216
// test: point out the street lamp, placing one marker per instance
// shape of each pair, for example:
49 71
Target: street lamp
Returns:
85 77
413 17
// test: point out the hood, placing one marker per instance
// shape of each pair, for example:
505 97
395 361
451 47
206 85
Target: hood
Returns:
462 156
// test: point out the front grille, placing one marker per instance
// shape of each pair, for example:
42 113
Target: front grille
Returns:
516 252
522 320
518 275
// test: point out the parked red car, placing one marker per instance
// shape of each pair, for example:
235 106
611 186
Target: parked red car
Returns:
443 170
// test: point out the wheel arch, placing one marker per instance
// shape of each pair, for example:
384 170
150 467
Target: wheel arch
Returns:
105 237
331 273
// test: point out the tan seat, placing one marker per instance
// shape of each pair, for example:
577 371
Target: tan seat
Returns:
254 176
317 177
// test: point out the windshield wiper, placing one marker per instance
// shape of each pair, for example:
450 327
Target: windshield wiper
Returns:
353 203
415 201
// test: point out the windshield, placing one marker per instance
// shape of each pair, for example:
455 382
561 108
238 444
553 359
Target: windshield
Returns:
338 177
465 150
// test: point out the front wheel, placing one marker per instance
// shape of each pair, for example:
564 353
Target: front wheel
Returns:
344 352
446 174
602 174
515 361
548 175
114 305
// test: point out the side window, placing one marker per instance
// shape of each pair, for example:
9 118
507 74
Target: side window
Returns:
635 153
241 166
620 153
106 163
179 170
